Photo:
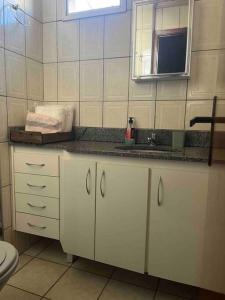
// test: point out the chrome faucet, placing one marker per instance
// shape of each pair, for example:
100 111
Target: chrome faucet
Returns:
152 140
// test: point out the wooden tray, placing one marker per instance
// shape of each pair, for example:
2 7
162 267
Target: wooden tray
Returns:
19 135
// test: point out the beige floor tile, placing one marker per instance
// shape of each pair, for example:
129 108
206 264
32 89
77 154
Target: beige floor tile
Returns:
77 285
164 296
142 280
55 254
37 276
38 247
117 290
177 289
23 260
93 267
11 293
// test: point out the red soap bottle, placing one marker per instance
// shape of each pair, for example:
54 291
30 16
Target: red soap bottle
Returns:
130 132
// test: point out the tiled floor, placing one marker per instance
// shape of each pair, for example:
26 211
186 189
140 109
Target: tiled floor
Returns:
44 273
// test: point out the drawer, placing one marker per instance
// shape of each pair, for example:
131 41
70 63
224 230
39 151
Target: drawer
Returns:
37 205
39 164
37 225
37 185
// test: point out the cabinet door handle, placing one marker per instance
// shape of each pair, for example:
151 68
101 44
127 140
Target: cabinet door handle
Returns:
36 206
101 182
36 226
159 186
36 186
88 177
35 165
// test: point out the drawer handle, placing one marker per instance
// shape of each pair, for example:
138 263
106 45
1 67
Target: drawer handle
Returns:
36 186
36 206
88 179
35 165
101 182
36 226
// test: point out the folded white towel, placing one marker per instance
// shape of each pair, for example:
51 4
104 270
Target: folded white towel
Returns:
54 112
58 111
42 123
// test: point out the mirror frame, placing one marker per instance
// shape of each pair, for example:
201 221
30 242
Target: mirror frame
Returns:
169 76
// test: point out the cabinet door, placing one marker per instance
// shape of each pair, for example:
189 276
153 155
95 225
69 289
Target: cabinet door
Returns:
121 215
177 218
77 206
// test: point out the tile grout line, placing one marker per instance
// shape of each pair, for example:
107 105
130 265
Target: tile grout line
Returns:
156 290
60 277
20 289
107 282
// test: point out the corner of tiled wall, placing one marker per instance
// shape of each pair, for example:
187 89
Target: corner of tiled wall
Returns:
21 87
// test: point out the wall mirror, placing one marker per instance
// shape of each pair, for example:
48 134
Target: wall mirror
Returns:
162 36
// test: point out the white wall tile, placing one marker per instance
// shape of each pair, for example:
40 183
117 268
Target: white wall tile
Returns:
31 104
14 31
220 113
3 120
76 109
17 111
59 9
170 115
68 81
4 165
116 77
15 75
50 82
34 8
91 80
91 114
2 72
129 4
209 24
142 90
49 42
91 38
34 80
172 90
68 41
34 39
117 35
143 113
6 207
204 66
49 10
220 83
1 25
198 109
115 114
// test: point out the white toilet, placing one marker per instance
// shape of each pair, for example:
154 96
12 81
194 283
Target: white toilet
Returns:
9 259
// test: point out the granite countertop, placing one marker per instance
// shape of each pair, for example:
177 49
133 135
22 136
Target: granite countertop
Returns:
191 154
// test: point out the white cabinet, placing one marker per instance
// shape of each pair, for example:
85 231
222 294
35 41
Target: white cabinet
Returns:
35 178
77 209
104 214
177 219
121 215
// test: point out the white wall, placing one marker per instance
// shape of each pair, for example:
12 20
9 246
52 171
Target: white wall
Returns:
87 63
21 85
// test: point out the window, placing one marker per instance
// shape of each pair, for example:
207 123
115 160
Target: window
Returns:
75 9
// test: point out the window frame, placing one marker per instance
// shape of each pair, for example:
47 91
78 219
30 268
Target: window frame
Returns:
93 12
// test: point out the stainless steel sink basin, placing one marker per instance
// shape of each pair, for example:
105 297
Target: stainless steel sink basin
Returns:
146 148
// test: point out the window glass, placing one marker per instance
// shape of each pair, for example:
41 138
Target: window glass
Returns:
76 6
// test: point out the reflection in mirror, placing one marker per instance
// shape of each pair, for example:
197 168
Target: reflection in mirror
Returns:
162 33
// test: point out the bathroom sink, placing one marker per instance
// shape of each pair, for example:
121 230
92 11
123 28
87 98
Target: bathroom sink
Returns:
146 148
